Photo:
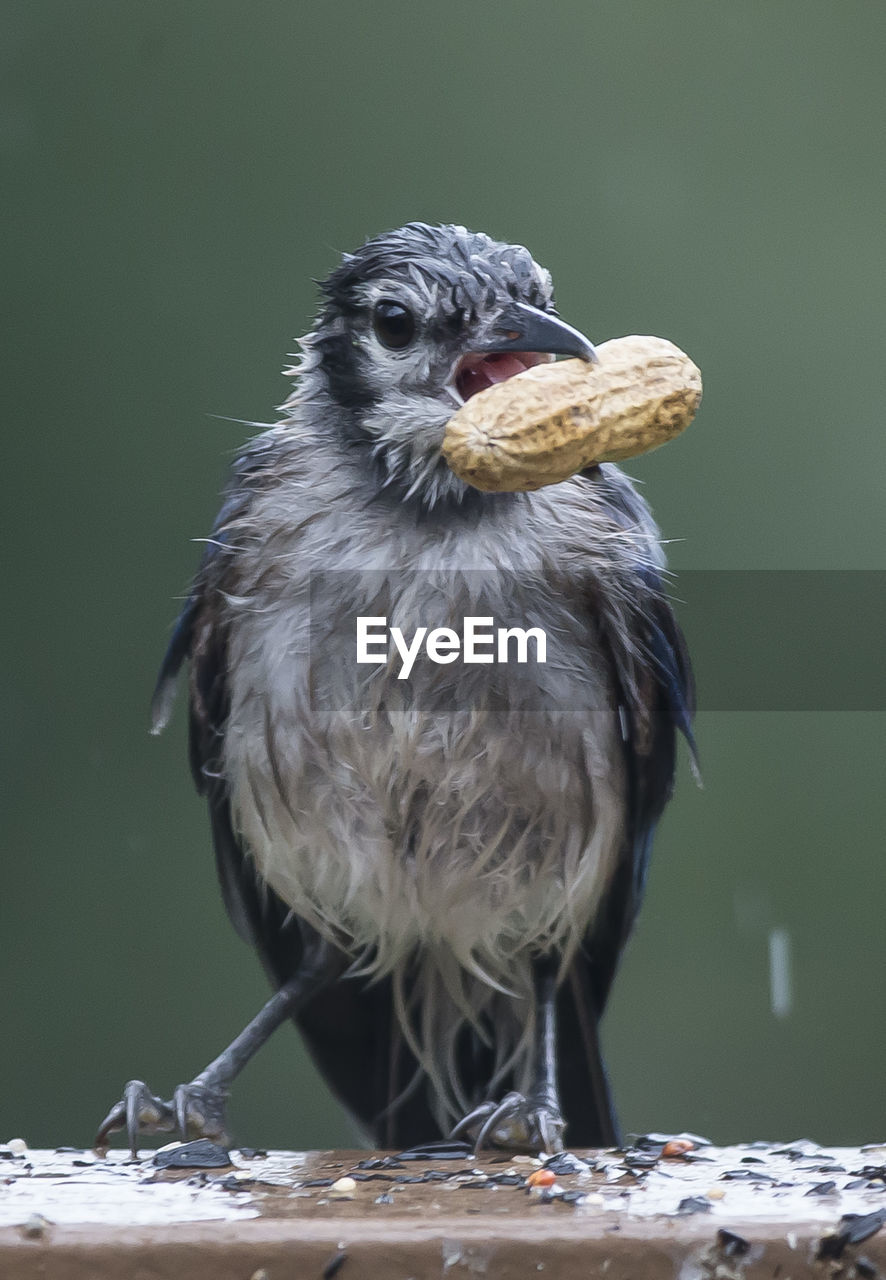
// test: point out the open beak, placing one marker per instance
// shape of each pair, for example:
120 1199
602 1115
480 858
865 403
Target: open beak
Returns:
524 328
522 337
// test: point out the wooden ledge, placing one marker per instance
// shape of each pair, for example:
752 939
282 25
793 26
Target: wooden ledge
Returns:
762 1210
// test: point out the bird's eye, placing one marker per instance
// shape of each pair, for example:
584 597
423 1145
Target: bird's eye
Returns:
394 324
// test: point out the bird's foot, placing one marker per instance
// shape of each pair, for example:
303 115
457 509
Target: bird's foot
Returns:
517 1123
197 1110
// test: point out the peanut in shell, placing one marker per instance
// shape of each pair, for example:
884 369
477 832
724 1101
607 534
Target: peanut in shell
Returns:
553 420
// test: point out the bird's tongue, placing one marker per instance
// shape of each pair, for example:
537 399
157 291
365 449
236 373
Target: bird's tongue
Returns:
476 372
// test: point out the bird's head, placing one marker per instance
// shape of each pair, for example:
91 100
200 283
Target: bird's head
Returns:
413 324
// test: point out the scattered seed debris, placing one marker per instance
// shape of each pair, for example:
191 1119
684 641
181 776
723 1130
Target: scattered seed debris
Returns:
757 1183
334 1265
565 1163
35 1226
855 1228
732 1245
574 1196
693 1204
438 1151
677 1149
641 1161
238 1181
200 1154
342 1189
747 1175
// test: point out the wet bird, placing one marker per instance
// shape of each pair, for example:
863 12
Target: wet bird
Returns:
440 872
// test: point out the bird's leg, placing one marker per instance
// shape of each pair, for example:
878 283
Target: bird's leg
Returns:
531 1121
197 1109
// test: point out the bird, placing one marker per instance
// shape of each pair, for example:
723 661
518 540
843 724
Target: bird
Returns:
439 872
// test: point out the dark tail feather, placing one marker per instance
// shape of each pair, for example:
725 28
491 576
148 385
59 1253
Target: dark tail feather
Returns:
353 1038
584 1087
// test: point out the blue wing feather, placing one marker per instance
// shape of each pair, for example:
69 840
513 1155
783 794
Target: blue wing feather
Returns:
656 701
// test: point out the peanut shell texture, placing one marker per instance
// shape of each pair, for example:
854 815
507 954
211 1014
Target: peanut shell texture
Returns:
553 420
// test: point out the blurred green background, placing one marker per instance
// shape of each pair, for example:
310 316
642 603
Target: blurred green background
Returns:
175 174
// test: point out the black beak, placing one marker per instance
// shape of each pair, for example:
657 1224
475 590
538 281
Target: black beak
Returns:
524 328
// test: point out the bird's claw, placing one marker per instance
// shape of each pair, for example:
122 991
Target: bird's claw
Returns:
517 1123
197 1110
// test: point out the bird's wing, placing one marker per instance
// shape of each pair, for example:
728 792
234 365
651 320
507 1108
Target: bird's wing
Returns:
652 678
349 1029
200 635
655 702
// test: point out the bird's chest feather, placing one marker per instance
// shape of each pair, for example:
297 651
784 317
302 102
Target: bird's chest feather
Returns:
462 803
